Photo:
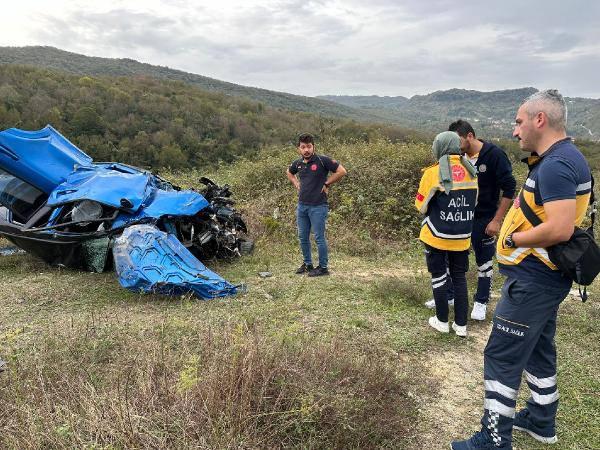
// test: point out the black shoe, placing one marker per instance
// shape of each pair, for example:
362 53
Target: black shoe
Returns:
318 271
546 434
304 268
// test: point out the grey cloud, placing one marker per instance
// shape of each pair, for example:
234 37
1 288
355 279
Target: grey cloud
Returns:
560 42
129 30
300 19
400 48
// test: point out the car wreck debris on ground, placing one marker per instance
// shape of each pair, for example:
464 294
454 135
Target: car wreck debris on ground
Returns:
59 205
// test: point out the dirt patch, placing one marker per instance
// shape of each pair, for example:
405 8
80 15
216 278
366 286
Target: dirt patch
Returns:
370 275
454 409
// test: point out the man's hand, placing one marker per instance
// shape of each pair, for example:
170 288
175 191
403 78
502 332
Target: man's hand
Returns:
325 189
558 227
293 179
493 228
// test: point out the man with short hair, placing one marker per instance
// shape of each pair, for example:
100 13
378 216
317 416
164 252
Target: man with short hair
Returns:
310 176
494 173
557 190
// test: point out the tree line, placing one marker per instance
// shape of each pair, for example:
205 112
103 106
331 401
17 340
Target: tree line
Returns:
158 123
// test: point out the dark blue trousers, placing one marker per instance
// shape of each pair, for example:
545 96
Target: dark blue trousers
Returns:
484 247
448 267
521 340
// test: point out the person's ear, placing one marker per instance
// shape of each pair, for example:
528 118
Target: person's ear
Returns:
541 119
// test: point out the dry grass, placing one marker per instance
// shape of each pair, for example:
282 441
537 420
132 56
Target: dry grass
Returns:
345 361
93 366
104 384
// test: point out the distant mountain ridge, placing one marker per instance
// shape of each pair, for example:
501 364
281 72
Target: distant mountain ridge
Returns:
77 64
491 113
367 101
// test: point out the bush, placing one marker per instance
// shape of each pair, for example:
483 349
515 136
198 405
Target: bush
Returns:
375 200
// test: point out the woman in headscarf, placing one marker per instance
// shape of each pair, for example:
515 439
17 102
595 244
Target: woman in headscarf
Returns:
447 196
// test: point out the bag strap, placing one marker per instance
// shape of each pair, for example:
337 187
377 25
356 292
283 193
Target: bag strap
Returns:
528 212
592 204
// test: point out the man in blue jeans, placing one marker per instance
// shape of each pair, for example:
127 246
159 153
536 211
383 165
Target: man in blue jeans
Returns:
310 176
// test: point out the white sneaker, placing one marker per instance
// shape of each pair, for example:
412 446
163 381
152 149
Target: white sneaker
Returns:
431 303
479 310
442 327
460 331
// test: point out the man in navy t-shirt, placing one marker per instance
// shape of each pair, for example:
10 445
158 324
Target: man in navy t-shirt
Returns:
557 190
310 176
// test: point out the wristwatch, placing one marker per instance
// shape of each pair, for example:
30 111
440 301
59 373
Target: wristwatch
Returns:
508 241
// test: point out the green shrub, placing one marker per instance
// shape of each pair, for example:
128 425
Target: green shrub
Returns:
374 201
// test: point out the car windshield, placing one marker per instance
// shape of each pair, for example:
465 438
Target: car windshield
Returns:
21 198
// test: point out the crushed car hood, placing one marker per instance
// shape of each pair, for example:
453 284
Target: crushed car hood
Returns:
43 158
137 193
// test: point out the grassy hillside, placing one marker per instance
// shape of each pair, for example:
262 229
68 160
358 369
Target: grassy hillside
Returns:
345 361
53 58
491 113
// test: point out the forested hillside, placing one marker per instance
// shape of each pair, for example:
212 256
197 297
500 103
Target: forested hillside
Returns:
491 113
157 123
53 58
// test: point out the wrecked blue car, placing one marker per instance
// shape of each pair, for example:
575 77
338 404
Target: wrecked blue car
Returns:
59 205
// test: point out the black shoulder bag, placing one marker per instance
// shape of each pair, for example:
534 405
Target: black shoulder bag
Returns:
579 257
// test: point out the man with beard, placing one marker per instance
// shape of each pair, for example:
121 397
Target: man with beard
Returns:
310 176
557 190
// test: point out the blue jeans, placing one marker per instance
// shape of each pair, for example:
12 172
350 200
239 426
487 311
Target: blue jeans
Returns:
312 217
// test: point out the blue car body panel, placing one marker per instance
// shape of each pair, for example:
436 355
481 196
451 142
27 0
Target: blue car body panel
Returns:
164 203
152 261
146 197
43 158
146 258
102 185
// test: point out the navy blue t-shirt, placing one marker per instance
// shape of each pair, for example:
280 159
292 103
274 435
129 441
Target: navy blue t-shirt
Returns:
563 173
313 175
494 173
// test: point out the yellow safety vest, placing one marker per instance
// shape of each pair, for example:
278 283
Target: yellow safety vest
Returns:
448 217
515 221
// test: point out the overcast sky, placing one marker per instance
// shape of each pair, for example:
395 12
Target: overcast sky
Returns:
350 47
